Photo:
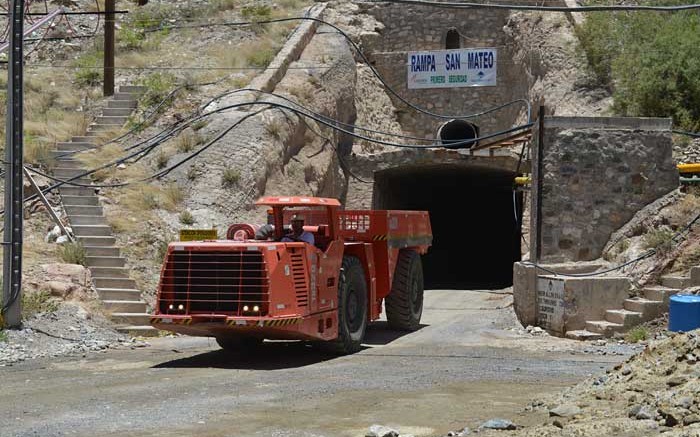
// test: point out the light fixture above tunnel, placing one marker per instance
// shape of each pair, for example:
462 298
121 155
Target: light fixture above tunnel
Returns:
455 134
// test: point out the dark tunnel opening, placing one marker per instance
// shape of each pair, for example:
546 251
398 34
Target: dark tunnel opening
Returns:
455 131
476 238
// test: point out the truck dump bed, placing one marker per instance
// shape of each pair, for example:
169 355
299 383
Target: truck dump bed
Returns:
400 229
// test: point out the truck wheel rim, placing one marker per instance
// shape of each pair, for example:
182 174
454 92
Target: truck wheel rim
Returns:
415 296
352 307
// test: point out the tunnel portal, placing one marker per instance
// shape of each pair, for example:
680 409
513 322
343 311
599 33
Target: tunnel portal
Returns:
476 238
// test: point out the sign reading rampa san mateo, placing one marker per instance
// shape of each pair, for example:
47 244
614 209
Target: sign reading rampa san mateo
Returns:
452 68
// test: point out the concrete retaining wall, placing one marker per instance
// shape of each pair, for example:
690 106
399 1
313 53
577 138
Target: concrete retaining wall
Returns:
597 173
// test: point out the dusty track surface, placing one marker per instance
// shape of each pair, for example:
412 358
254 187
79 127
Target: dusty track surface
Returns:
464 366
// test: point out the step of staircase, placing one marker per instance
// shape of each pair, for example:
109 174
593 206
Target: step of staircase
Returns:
604 327
582 334
65 173
67 190
117 291
131 318
89 200
111 120
659 293
139 330
650 309
114 283
125 306
118 294
73 145
105 261
672 281
92 230
68 162
101 127
82 139
101 250
96 241
82 210
109 273
625 318
117 112
125 96
88 220
122 104
133 89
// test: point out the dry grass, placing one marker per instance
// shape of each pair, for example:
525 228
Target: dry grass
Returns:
172 196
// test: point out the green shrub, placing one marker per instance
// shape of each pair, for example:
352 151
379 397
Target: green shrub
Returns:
161 160
637 334
152 15
230 177
73 253
649 61
257 13
158 86
659 239
37 302
186 218
89 67
3 336
131 39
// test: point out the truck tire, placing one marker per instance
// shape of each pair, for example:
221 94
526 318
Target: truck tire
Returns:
352 307
239 344
404 304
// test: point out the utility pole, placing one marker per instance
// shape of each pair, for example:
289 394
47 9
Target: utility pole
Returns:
14 185
108 88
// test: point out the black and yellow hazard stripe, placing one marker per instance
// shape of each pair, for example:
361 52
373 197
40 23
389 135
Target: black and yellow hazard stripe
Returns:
282 322
379 237
187 321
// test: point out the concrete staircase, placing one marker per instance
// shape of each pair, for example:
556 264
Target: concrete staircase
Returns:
635 310
119 294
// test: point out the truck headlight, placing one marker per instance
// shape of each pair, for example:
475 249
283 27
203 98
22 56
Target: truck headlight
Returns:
256 308
181 307
245 308
171 307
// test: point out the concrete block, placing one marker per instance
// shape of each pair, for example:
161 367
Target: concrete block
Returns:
566 304
679 282
525 293
695 276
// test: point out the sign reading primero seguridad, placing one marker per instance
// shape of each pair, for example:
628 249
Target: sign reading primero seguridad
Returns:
452 68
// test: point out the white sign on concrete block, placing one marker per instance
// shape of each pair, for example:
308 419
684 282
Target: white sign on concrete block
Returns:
452 68
550 303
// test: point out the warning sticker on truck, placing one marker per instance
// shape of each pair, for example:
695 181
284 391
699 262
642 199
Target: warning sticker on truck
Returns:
198 234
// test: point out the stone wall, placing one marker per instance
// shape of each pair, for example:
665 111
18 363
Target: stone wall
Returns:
596 174
387 50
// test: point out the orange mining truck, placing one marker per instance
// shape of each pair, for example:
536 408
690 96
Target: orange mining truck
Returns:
254 286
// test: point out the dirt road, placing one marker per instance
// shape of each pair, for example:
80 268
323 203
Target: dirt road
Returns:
467 364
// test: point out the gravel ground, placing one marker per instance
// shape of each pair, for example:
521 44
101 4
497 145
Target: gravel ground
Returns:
466 365
69 331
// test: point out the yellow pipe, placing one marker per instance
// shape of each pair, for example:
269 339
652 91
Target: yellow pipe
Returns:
523 180
689 168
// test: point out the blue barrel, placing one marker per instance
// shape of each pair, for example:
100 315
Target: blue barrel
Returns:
684 313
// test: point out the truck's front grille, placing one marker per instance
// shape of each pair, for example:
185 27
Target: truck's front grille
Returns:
214 282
